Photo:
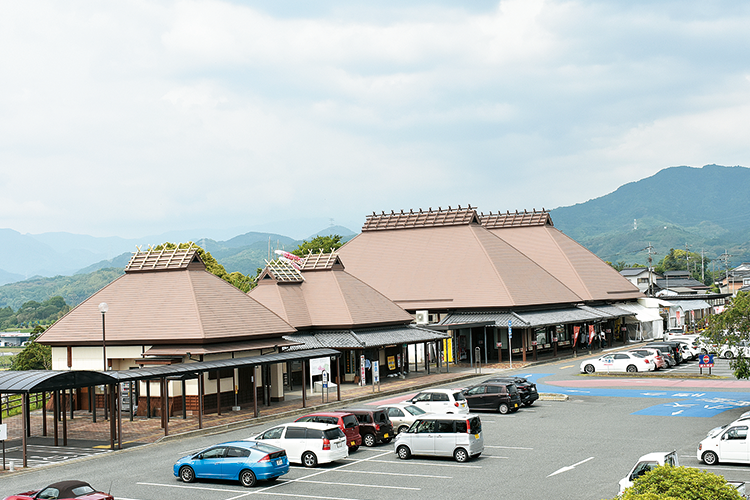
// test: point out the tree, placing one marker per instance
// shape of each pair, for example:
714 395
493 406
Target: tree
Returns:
678 260
732 327
674 483
34 356
325 244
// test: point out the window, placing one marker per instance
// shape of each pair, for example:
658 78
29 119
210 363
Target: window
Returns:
493 389
461 426
736 433
475 425
425 426
350 421
274 433
439 396
214 452
425 396
315 433
334 433
480 389
364 418
237 453
79 491
444 426
380 417
415 410
642 281
49 493
458 396
295 433
395 412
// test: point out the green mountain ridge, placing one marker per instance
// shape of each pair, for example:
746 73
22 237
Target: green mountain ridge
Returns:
706 208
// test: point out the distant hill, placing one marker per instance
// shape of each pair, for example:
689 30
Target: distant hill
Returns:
244 253
706 208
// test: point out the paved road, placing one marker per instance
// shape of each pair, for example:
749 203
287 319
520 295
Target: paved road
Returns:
577 449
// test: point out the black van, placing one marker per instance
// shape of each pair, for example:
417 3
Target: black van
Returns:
374 425
500 396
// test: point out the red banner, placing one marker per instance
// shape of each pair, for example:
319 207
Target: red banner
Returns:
591 333
576 329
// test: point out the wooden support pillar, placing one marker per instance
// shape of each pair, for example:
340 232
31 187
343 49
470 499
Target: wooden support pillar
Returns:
165 404
148 398
119 417
338 379
71 403
184 401
255 392
218 392
112 417
427 358
92 402
304 383
27 417
44 414
25 410
200 400
64 417
524 342
55 413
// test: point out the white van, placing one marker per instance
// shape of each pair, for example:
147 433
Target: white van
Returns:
459 436
728 445
307 443
646 463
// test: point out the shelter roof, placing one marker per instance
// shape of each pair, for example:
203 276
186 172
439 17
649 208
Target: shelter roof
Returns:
249 345
327 298
365 338
180 306
17 382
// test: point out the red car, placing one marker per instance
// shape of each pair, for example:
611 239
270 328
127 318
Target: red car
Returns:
64 490
347 422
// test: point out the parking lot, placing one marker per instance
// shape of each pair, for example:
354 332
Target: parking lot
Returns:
574 449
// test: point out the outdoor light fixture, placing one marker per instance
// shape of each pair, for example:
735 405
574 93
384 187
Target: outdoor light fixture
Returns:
103 308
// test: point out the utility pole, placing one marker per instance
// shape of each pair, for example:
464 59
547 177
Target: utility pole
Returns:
687 258
725 258
650 251
703 276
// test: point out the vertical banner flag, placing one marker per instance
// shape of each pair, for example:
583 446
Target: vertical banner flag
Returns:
576 329
591 333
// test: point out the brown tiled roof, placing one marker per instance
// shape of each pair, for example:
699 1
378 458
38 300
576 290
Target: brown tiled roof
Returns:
329 298
451 267
516 219
428 218
580 270
194 350
163 260
190 306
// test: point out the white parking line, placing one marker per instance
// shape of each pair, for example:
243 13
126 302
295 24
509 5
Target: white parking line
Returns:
394 474
187 487
431 464
493 456
360 485
507 447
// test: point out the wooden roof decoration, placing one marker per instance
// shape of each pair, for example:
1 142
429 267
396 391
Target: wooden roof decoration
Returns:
321 261
429 218
517 219
163 260
282 271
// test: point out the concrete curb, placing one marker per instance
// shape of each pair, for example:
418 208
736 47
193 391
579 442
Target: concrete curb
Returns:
553 397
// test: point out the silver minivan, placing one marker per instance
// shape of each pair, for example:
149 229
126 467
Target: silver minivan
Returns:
459 436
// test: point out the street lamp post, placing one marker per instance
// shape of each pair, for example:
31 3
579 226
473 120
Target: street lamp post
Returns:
103 308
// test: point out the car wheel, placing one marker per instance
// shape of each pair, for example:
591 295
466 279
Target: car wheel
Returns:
710 458
187 474
403 452
403 428
460 455
309 459
369 440
503 408
352 449
728 355
589 369
631 369
247 478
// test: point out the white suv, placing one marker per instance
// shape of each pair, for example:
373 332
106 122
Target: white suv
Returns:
307 443
441 401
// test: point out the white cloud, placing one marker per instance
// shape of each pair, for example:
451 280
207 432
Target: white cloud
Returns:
139 117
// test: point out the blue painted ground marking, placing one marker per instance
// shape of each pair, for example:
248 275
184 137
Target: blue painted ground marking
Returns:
689 404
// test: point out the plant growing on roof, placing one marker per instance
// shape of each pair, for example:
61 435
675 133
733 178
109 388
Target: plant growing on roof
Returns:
239 280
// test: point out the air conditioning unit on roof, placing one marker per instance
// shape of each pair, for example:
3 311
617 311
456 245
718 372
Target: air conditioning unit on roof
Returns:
422 317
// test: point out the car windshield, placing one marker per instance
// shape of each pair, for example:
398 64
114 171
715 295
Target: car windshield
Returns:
458 396
350 421
414 410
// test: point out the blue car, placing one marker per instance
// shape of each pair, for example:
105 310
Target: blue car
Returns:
243 461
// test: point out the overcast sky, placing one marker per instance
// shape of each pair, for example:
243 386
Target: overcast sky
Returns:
131 118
